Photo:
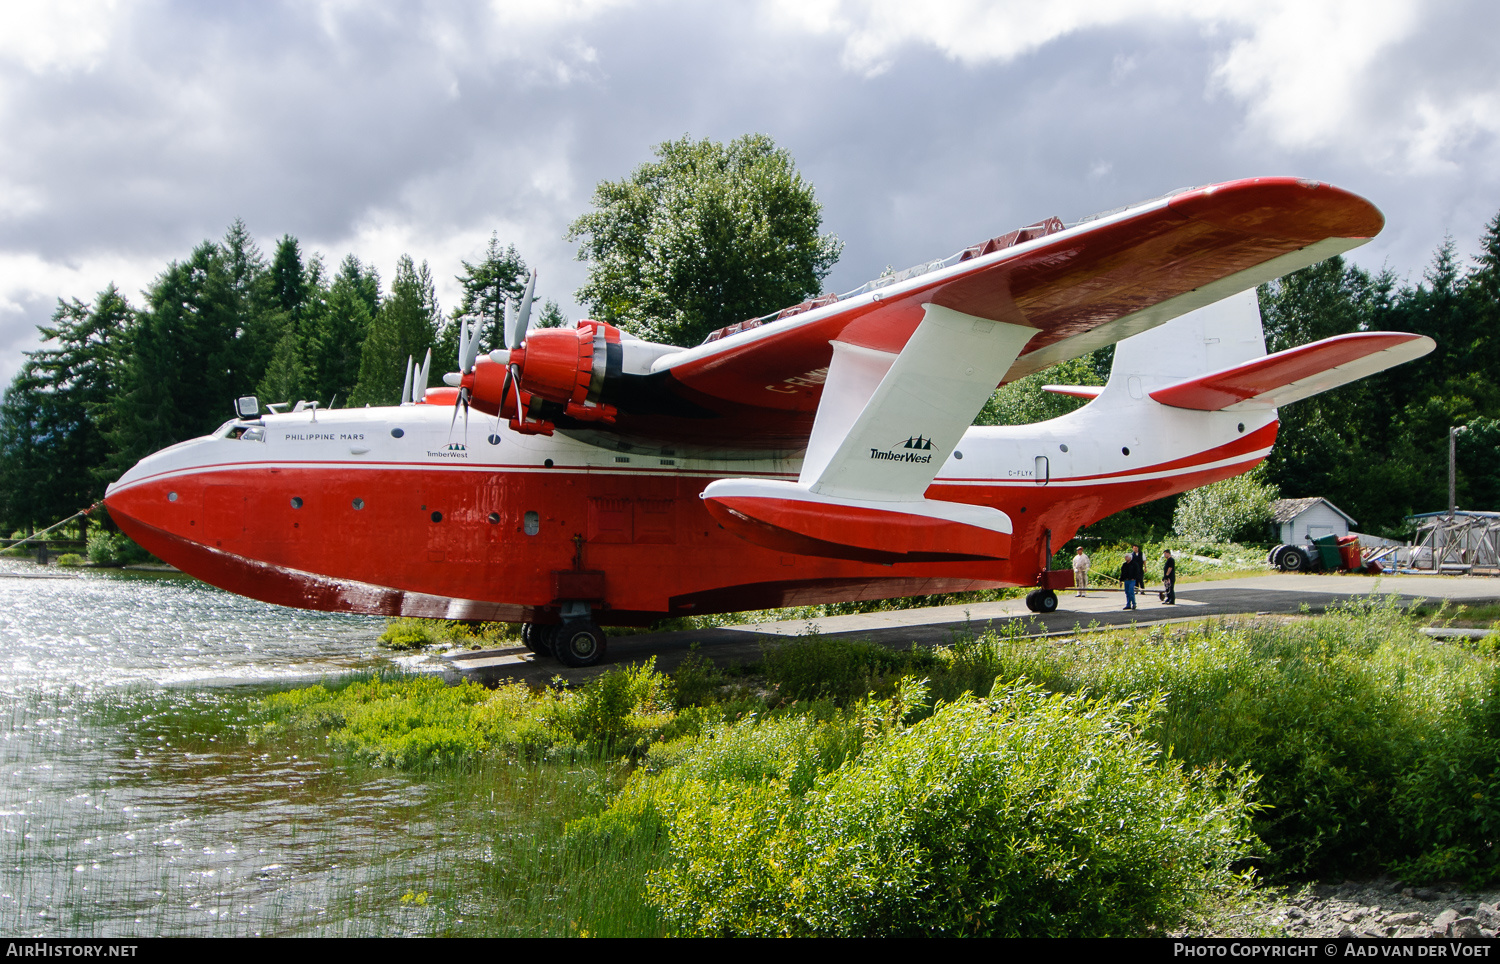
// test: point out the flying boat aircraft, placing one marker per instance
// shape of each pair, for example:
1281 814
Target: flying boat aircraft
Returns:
580 476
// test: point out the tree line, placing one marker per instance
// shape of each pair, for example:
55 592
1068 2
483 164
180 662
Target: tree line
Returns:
704 235
115 381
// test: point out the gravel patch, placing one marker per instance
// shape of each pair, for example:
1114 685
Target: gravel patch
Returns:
1379 908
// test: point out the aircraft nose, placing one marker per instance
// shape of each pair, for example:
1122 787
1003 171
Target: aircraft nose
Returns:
157 494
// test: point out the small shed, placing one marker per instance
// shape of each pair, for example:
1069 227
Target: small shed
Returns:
1300 521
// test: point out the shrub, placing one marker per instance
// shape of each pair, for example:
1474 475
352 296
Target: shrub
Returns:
70 559
695 681
114 549
1021 815
420 722
1372 742
812 667
718 761
619 711
1235 508
411 633
407 634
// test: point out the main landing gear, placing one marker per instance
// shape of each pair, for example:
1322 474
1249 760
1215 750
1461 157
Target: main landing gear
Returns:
576 641
1041 601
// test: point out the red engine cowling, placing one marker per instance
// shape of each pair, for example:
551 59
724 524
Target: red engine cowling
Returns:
559 371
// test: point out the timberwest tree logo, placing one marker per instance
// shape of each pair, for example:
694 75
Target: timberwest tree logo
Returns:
911 451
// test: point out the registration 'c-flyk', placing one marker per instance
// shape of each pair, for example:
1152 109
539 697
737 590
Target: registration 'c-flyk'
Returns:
580 476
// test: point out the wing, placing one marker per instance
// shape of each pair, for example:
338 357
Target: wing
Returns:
755 392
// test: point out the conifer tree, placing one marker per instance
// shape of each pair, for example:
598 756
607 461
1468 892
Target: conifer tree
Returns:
498 277
405 327
52 447
301 296
336 341
183 367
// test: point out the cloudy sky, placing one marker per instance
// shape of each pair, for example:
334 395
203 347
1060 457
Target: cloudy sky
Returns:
129 132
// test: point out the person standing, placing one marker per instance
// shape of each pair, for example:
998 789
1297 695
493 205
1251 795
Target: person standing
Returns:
1081 572
1169 577
1133 574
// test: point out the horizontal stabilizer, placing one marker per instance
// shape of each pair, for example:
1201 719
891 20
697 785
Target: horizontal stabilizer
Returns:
1297 373
788 517
1077 391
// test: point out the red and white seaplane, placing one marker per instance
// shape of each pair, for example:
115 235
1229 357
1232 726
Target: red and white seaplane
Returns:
826 453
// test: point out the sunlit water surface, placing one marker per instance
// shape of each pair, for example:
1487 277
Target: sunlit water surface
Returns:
131 803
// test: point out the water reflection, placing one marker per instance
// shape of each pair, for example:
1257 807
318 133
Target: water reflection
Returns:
129 809
118 627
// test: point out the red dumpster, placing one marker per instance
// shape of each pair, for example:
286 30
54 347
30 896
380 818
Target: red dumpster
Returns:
1349 551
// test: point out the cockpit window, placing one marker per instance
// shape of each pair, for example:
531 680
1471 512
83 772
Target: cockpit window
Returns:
244 431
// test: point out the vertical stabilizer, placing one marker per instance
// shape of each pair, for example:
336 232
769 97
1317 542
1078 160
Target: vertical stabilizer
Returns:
1221 335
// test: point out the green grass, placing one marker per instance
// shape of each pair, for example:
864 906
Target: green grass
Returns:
1447 613
1119 783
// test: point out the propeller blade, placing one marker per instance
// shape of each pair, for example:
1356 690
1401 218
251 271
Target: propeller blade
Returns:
470 351
406 386
419 390
510 326
523 323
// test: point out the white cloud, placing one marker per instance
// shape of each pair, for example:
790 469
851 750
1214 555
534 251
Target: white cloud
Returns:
1304 69
30 286
1309 75
58 35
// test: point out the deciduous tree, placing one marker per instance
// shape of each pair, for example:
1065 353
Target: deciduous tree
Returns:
706 235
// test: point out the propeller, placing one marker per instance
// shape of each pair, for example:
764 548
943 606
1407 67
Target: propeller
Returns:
517 326
468 353
406 386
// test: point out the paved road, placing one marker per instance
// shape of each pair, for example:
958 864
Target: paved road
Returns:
1279 593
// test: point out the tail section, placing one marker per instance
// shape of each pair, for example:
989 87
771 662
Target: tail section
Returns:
1213 338
1214 360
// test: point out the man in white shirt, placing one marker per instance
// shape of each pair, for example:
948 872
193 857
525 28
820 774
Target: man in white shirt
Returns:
1081 572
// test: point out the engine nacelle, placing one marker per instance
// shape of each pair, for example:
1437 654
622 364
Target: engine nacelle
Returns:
557 371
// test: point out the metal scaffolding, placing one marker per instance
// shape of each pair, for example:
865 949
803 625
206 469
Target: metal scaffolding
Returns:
1457 542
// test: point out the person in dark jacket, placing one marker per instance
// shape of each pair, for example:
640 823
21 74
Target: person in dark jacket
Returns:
1169 577
1133 574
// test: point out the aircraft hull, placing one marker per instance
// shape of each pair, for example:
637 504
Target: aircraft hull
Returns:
488 542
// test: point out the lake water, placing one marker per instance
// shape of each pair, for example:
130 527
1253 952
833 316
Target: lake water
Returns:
130 802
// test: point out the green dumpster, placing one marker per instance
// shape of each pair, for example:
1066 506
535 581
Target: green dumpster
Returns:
1328 551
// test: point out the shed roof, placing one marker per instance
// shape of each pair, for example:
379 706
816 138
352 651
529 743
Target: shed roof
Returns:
1285 510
